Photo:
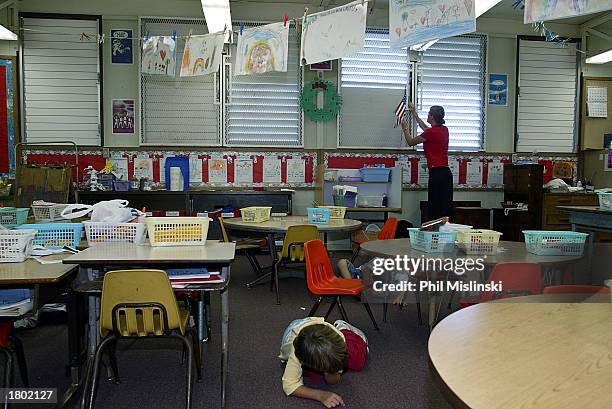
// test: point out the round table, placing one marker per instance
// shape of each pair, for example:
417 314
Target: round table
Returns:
525 352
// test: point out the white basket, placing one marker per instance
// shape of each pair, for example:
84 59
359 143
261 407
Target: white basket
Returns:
101 232
15 245
48 213
480 241
177 231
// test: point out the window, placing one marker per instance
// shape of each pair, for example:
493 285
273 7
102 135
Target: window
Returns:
60 79
178 111
264 109
546 112
372 81
453 75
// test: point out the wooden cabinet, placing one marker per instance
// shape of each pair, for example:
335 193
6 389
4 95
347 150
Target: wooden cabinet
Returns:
522 184
555 219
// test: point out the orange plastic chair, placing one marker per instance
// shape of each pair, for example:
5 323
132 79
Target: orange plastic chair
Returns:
517 279
387 233
322 281
576 289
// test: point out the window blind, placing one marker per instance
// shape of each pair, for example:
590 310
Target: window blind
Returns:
264 109
546 113
60 80
372 83
453 75
178 111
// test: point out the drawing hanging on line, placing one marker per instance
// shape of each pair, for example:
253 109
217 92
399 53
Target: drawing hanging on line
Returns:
159 55
334 33
539 10
262 49
417 22
202 54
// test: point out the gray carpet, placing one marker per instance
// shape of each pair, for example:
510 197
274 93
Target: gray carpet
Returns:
396 375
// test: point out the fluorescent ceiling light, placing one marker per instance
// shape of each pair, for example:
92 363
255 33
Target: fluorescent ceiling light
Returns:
217 15
6 34
482 6
600 58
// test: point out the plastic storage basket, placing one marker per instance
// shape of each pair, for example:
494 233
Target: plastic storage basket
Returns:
48 213
177 231
56 235
15 245
13 216
255 214
318 215
432 241
478 241
375 174
605 200
554 243
101 232
335 212
369 201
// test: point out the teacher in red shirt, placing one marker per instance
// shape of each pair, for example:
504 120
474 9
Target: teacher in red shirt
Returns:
435 144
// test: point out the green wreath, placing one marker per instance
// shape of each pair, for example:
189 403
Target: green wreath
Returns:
332 101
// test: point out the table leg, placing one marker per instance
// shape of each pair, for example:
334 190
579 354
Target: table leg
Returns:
273 255
74 309
201 320
224 343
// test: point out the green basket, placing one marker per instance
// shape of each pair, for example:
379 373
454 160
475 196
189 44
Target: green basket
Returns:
13 216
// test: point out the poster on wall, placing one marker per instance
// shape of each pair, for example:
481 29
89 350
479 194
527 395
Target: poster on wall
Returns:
498 89
202 55
417 22
539 10
123 116
217 170
271 170
122 51
243 170
262 49
341 30
159 56
296 170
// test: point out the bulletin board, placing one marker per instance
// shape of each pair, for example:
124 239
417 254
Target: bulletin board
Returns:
593 129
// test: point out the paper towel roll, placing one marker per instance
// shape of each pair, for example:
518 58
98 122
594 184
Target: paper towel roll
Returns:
176 179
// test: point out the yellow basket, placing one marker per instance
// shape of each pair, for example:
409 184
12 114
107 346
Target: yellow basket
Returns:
478 241
335 212
177 231
255 214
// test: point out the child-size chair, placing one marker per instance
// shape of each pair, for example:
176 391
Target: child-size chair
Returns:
517 279
322 281
387 233
247 247
141 304
576 289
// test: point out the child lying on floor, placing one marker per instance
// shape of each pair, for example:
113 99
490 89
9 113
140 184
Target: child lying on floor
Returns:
319 350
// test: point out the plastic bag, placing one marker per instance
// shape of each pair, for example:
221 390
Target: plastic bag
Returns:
107 211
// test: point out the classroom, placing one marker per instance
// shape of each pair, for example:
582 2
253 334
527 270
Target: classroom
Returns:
306 203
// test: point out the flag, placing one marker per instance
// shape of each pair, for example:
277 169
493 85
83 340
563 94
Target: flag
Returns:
400 111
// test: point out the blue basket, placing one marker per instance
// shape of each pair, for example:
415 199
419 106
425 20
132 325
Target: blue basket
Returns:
56 235
318 215
605 200
432 241
13 216
375 174
554 243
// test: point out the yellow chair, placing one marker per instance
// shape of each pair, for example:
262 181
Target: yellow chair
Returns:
247 247
141 304
292 252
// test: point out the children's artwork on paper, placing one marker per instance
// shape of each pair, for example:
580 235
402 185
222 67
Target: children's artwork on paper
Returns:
123 116
217 170
333 33
159 56
544 10
262 49
121 47
243 170
414 22
202 54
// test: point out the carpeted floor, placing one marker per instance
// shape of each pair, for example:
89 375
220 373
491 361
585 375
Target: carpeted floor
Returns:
396 375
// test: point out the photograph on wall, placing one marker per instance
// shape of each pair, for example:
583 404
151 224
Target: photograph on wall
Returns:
159 56
202 54
123 116
262 49
122 51
498 89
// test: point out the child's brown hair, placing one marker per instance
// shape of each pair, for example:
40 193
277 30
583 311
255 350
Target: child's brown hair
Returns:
321 348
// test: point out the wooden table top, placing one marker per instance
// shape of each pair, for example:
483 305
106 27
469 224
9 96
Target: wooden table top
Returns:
129 253
32 272
281 224
513 252
587 209
510 355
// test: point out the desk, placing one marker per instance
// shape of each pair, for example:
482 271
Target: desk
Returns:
49 281
281 225
106 256
512 354
514 252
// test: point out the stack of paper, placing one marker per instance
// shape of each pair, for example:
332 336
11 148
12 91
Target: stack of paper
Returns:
15 302
186 277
